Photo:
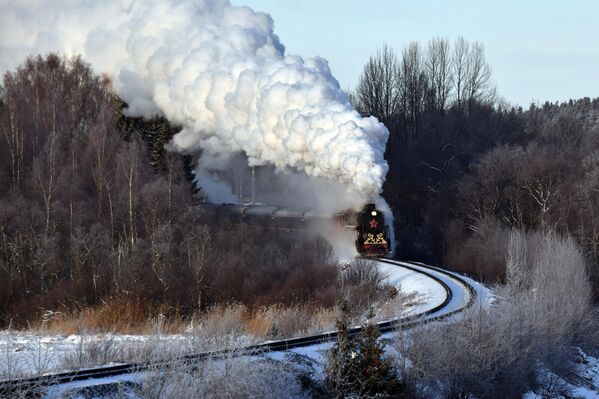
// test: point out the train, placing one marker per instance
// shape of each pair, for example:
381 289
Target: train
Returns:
372 233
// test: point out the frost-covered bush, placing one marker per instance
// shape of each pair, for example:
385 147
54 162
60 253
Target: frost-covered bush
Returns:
541 311
233 377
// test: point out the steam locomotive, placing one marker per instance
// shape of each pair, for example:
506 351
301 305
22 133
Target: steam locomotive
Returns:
372 234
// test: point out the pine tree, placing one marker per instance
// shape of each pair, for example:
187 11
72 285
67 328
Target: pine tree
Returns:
341 358
358 368
377 377
156 132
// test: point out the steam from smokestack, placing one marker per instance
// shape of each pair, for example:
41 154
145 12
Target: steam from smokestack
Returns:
217 70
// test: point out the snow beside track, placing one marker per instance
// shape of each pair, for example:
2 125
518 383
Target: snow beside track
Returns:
484 295
26 353
407 281
31 352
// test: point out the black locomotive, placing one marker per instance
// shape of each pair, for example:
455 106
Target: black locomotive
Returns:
373 233
369 224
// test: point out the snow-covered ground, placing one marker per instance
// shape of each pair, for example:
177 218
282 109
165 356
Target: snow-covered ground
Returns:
37 353
583 383
430 292
27 353
484 295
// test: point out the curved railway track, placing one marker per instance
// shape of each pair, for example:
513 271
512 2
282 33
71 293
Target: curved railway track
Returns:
437 313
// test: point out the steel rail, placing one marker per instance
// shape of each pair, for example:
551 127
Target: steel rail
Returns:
9 387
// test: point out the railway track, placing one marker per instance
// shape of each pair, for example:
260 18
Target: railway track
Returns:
437 313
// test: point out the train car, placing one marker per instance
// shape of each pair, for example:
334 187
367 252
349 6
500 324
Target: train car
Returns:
373 233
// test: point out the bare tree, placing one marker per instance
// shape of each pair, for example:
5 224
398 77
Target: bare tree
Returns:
459 63
478 78
46 175
471 74
196 247
412 85
12 129
378 89
438 69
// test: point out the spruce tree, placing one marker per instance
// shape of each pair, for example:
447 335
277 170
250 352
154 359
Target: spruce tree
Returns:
377 377
341 358
358 368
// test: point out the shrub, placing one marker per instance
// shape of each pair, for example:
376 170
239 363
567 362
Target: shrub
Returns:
233 377
495 351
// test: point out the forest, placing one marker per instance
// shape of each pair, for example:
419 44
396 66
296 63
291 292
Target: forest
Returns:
94 208
94 212
465 165
99 231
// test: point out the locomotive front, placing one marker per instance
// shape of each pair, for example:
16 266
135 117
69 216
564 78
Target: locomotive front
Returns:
373 234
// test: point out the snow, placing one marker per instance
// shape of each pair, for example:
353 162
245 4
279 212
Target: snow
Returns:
40 353
26 353
37 353
407 281
586 386
484 294
68 390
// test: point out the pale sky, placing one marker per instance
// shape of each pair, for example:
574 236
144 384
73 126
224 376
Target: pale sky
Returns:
538 50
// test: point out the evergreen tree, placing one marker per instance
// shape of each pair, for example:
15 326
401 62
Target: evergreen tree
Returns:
155 131
376 376
341 358
357 367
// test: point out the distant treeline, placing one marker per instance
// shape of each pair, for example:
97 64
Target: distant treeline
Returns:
464 163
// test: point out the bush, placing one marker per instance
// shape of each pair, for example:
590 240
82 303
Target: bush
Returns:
363 285
541 312
233 377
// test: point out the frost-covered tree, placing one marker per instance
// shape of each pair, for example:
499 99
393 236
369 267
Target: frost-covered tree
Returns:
496 350
357 367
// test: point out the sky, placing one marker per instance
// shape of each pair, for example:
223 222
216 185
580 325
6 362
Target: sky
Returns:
538 50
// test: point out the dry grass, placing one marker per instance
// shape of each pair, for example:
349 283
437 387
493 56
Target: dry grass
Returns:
397 305
119 315
158 333
364 289
162 331
267 322
280 321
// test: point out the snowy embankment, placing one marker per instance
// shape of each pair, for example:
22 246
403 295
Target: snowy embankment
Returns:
38 353
583 382
430 294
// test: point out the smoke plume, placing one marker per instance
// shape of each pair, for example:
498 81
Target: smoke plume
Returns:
217 70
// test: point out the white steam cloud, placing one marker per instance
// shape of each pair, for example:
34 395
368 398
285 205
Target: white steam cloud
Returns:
217 70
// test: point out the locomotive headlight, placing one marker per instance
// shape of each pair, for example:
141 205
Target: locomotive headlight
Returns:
373 213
